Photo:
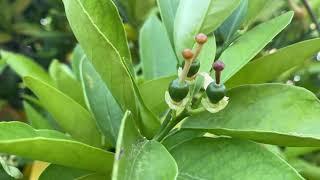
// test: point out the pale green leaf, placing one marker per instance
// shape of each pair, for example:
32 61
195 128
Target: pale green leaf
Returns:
35 118
225 158
51 146
251 43
269 67
268 113
153 94
104 46
70 115
195 17
157 56
24 66
134 154
168 9
66 82
11 170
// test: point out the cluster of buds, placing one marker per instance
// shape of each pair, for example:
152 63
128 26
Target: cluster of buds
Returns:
177 95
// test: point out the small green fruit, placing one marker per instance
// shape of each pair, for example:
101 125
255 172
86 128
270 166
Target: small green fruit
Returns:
194 68
215 92
178 90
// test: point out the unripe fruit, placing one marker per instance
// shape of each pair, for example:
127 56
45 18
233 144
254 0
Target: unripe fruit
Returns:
215 92
194 68
178 90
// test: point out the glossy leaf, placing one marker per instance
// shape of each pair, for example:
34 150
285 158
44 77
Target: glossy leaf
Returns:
177 138
268 113
232 24
52 146
24 66
109 45
251 43
168 9
104 107
157 56
66 82
269 67
225 158
134 154
35 118
64 173
209 15
70 115
153 94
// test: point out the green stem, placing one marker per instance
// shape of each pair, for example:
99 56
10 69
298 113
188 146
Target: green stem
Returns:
312 15
174 121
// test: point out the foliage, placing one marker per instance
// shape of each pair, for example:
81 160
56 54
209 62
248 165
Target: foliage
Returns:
102 119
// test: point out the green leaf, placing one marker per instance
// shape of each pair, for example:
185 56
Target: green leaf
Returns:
268 68
232 24
66 82
11 170
36 119
101 102
77 55
2 65
52 146
254 9
179 137
153 93
225 158
307 170
105 47
268 113
293 152
209 15
168 9
24 66
157 56
53 172
134 154
70 115
137 10
251 43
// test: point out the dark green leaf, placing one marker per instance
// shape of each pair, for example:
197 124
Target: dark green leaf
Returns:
101 102
268 113
225 158
232 24
134 154
54 172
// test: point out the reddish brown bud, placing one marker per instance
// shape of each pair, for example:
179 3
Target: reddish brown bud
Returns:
187 54
201 38
218 66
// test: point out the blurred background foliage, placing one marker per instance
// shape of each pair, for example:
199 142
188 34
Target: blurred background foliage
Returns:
39 29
